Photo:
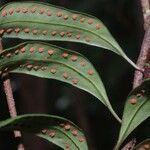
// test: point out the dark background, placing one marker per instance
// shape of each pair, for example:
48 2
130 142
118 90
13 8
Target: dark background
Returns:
35 95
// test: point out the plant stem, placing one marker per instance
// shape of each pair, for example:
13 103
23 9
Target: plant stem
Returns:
145 52
11 103
143 58
145 49
146 12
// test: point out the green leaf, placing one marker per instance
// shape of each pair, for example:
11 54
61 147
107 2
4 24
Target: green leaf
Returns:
145 145
54 129
48 61
137 109
41 21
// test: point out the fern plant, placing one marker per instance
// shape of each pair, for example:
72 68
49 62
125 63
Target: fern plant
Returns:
36 21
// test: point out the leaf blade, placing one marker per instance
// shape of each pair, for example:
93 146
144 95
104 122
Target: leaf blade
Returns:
48 61
136 111
57 24
54 129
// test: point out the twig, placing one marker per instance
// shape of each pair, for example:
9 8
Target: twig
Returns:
130 145
146 12
11 103
145 49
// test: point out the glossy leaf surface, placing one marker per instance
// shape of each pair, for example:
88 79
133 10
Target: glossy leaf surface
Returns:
137 109
41 21
54 129
48 61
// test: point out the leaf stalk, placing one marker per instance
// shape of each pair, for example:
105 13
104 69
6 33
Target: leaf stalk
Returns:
11 103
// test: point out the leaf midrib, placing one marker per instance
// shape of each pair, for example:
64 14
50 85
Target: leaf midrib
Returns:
55 128
10 123
67 136
72 26
72 68
130 121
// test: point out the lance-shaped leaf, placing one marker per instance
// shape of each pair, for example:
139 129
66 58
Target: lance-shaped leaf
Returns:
54 129
137 109
41 21
48 61
145 145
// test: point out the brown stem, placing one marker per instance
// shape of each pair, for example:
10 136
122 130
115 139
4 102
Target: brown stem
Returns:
9 96
11 103
145 49
144 56
130 145
146 12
